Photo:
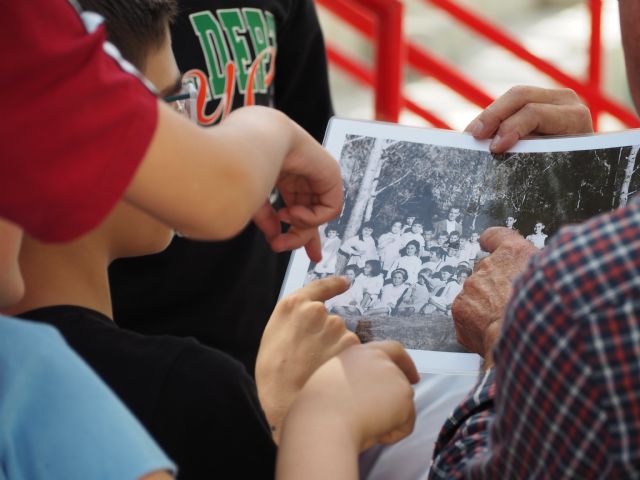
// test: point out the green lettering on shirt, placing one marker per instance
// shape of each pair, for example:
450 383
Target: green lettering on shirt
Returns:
214 48
234 27
257 27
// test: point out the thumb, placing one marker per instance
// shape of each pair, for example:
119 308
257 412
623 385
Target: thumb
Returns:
493 237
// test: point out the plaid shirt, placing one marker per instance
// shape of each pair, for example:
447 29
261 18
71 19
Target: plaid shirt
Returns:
563 400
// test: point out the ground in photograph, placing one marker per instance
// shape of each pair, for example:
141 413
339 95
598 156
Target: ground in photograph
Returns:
419 332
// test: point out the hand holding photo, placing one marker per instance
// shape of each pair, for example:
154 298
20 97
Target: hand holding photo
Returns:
418 200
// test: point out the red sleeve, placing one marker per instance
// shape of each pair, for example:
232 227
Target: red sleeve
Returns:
74 124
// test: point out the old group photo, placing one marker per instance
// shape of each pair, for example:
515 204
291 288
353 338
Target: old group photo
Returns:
408 236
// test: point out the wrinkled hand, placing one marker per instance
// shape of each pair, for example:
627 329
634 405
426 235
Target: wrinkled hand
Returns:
479 309
299 337
525 110
368 388
311 187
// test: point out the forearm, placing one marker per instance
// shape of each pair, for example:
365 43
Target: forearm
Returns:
207 183
316 446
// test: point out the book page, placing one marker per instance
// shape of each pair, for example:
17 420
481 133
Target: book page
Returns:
416 202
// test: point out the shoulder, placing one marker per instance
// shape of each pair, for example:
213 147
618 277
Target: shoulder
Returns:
584 279
33 348
44 383
603 250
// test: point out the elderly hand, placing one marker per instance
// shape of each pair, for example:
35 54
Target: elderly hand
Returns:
479 309
525 110
299 337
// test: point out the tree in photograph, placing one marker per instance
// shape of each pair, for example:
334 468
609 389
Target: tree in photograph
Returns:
366 188
629 170
353 161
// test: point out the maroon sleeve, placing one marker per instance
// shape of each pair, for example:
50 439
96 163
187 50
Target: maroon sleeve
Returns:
74 124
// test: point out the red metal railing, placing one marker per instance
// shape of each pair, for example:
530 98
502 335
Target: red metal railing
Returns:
381 22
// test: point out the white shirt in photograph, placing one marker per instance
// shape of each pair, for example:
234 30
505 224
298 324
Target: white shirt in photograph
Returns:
370 285
409 236
368 246
389 245
411 264
469 251
350 298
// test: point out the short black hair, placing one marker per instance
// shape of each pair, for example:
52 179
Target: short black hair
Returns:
415 243
135 27
376 268
354 268
449 269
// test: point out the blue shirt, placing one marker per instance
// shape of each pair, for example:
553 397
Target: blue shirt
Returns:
58 420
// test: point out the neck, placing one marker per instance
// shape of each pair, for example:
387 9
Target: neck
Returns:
64 274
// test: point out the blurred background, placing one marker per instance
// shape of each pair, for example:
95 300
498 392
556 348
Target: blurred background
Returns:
438 62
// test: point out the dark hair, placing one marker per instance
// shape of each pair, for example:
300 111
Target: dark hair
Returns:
438 251
455 245
355 269
135 27
463 270
455 232
448 268
423 274
401 271
415 243
366 225
332 226
376 268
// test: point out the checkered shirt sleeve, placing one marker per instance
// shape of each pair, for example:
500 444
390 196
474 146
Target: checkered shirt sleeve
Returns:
563 400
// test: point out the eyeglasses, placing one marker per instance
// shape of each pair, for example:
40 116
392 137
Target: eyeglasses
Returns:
184 102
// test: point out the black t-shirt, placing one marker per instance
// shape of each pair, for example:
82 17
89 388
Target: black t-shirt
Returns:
223 293
199 404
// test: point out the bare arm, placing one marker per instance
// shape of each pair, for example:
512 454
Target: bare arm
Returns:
357 399
209 183
299 337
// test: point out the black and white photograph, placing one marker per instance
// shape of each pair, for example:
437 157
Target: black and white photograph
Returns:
408 236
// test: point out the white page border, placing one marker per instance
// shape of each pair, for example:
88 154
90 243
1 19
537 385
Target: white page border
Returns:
431 361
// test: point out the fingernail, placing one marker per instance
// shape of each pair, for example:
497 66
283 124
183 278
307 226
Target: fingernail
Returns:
495 143
477 128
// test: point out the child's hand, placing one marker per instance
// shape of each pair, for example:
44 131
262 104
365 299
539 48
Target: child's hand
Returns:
299 337
364 392
311 186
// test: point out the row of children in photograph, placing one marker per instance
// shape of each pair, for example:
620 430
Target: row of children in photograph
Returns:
399 248
371 293
407 271
442 245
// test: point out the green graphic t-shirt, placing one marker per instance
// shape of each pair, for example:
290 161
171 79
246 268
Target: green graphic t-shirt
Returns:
240 52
